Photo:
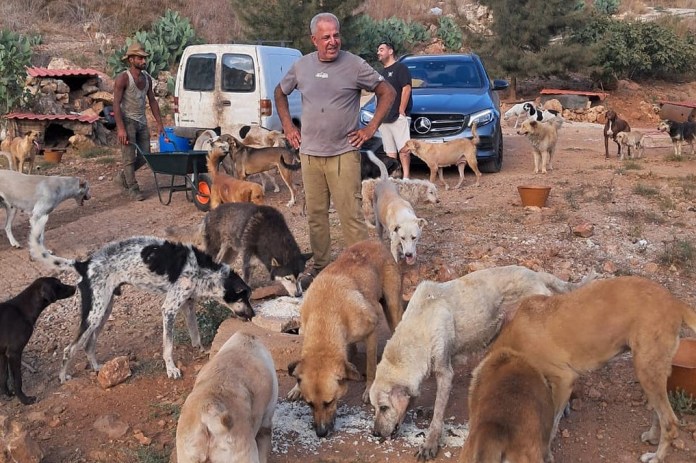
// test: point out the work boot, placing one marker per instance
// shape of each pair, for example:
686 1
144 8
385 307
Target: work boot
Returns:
135 193
307 277
120 180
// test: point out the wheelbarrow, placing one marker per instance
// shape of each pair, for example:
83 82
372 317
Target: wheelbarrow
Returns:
187 172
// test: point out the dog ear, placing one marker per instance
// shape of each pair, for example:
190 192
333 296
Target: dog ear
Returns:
274 262
399 397
351 372
293 368
422 222
396 228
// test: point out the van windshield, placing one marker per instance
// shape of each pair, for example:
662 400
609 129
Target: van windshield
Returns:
238 73
200 73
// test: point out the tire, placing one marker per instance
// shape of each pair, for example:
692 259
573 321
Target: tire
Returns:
494 165
201 198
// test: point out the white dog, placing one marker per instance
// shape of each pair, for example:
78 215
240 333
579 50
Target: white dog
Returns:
414 191
443 323
539 114
396 215
517 111
228 415
39 195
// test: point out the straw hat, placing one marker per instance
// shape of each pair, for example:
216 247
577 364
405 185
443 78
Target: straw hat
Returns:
135 50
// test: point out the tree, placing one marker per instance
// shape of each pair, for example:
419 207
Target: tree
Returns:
288 20
529 38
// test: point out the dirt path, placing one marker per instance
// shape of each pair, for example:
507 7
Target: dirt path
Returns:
639 209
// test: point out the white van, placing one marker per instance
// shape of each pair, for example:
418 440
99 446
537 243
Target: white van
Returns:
220 86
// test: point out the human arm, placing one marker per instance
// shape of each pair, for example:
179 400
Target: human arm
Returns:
292 134
120 85
405 96
385 94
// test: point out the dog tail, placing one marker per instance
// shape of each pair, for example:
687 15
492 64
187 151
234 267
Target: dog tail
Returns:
559 286
475 139
294 166
214 157
383 174
39 253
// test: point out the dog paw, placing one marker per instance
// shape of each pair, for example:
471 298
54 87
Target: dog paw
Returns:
16 245
294 394
26 399
427 451
276 190
290 203
173 373
649 457
650 437
366 396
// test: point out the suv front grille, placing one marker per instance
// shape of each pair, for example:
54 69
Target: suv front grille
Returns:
437 125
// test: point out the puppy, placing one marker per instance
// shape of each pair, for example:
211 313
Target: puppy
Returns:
414 191
613 126
39 195
181 273
543 137
566 335
458 152
228 414
396 215
443 324
631 140
680 133
227 189
22 150
342 307
17 319
248 161
510 412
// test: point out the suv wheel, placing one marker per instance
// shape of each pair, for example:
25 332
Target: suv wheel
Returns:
494 165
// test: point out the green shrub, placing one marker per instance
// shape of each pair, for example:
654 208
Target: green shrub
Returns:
607 7
450 33
366 34
15 56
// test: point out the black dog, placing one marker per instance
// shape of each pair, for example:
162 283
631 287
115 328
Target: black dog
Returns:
680 133
369 169
17 319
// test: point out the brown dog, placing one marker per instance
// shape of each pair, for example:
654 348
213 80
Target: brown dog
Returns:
569 334
228 415
340 308
227 189
543 136
22 150
458 152
613 126
248 160
510 411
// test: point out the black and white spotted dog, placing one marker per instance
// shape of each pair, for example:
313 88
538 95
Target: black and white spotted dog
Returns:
680 133
538 114
181 272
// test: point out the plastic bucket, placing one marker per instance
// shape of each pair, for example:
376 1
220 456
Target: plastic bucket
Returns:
176 143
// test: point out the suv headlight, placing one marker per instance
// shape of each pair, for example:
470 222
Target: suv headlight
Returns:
482 117
365 116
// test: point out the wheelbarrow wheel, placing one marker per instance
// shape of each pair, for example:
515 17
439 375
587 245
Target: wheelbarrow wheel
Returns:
201 197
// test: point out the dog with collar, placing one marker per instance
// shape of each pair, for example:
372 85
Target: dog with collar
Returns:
680 133
182 273
38 195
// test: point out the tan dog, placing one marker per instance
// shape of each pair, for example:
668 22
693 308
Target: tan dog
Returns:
396 215
22 150
631 140
228 415
227 189
342 307
510 411
543 137
458 152
570 334
414 191
248 160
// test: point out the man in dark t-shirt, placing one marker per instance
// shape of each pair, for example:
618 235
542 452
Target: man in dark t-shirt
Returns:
395 126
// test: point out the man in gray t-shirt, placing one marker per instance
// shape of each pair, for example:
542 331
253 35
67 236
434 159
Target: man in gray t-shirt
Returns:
330 81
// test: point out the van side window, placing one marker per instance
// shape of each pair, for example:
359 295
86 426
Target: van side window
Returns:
238 73
200 72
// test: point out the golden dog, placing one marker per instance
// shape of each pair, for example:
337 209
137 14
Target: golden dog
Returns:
566 335
227 189
456 152
340 308
510 411
543 137
228 415
22 150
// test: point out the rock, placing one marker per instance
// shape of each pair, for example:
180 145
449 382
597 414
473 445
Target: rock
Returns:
679 444
594 393
565 433
554 105
142 438
609 267
114 372
584 230
16 445
264 292
106 97
111 425
576 405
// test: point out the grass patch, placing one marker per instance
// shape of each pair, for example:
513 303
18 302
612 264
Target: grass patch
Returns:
209 320
107 160
645 190
152 455
165 410
674 158
632 165
94 152
149 367
682 402
680 253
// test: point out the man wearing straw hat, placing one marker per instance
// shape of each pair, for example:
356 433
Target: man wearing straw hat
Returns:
130 89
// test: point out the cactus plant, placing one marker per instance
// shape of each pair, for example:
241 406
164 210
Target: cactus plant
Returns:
15 56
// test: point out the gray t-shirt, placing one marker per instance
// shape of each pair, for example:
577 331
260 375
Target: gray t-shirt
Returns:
330 99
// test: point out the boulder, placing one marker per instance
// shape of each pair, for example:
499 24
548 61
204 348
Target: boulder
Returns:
16 444
114 372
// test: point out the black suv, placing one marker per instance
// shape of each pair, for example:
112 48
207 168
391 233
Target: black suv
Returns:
450 92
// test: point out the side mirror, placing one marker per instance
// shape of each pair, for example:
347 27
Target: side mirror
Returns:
500 84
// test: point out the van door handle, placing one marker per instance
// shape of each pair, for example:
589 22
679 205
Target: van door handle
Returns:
225 103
